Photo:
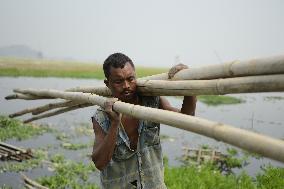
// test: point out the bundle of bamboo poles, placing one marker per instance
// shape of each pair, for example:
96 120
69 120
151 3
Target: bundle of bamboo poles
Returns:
258 75
10 152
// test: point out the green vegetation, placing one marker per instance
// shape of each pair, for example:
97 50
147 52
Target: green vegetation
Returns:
273 177
72 146
51 68
213 175
62 136
84 129
208 176
69 174
204 176
12 128
66 144
5 187
214 100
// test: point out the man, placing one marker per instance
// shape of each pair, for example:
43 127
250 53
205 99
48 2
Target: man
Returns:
127 151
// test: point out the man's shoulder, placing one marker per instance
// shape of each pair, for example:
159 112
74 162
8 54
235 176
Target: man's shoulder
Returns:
101 117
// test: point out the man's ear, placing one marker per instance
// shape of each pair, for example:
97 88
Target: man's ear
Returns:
106 82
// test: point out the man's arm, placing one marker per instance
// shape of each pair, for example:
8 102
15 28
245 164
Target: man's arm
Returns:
188 105
105 143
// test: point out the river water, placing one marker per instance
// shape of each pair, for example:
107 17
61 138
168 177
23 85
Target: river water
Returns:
259 114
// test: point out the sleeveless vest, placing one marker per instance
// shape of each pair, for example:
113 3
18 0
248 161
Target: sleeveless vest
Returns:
142 167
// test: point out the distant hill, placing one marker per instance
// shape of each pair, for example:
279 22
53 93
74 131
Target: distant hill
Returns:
22 51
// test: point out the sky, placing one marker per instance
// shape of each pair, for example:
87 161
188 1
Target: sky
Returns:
156 33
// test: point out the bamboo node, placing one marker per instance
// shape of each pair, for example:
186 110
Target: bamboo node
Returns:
228 68
218 87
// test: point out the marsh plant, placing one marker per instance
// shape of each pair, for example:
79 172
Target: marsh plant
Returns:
15 129
215 100
208 175
69 174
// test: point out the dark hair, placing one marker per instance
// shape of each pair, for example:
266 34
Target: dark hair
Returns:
116 60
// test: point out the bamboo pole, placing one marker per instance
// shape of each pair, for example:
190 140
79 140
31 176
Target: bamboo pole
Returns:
254 142
22 112
24 97
47 107
249 84
56 112
32 183
44 108
13 147
260 66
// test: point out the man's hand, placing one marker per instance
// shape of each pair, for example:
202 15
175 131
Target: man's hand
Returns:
189 102
108 108
176 69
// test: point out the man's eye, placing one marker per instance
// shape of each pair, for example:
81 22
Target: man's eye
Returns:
131 79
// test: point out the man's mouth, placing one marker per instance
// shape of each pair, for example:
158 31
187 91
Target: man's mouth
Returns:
127 93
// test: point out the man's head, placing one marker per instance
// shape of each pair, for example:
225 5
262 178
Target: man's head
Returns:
120 76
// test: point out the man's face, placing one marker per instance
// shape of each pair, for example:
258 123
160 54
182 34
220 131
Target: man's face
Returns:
122 83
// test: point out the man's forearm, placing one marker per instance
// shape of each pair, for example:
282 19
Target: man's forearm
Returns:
189 105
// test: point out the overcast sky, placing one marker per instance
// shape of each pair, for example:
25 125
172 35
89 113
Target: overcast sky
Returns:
151 32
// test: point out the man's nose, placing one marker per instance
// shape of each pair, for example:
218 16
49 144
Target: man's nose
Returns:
126 85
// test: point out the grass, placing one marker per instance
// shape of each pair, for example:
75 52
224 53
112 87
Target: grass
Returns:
203 177
273 178
50 68
84 129
66 139
73 146
12 128
208 176
69 174
215 100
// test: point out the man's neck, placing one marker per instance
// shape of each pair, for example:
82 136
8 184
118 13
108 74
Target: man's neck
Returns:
134 100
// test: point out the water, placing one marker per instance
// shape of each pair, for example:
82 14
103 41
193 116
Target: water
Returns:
258 114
